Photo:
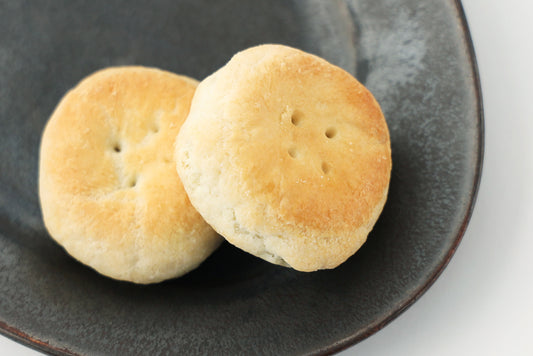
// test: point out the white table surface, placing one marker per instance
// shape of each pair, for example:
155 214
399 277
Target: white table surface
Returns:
483 302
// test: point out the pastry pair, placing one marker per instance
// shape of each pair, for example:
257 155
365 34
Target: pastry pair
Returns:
280 152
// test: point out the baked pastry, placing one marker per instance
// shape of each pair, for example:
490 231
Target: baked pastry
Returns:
286 156
108 187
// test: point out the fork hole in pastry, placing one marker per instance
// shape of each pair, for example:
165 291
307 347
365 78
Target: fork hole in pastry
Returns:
296 117
293 152
325 168
331 132
132 182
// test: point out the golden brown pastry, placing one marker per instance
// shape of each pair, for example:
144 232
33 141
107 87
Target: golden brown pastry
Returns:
109 191
287 156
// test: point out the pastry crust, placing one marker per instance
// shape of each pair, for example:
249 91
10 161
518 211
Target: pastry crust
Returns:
108 186
287 156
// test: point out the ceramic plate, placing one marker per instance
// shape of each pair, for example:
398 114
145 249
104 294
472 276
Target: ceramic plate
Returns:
415 56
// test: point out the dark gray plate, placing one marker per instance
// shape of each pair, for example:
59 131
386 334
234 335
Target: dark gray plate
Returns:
415 56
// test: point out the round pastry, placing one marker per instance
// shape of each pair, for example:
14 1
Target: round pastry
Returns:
108 187
287 156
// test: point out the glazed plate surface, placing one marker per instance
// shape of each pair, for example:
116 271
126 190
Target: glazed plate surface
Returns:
415 56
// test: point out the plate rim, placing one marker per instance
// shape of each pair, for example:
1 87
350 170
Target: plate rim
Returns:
478 168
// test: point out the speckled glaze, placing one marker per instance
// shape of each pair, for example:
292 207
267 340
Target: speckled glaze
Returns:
415 56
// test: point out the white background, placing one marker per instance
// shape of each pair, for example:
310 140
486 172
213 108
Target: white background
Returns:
483 302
